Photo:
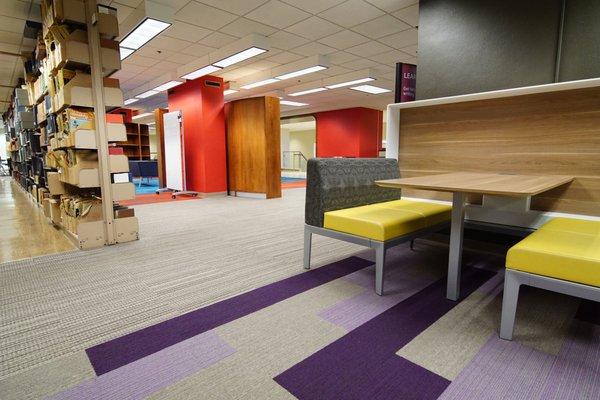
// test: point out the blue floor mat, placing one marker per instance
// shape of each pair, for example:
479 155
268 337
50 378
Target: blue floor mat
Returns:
147 186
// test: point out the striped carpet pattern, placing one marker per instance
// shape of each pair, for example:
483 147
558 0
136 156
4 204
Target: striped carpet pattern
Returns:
212 303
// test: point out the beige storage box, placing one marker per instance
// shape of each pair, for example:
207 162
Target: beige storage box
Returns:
55 186
78 92
74 49
80 168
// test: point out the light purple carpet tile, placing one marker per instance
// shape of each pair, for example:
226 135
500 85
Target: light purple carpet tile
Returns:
148 375
507 370
575 374
363 363
365 306
121 351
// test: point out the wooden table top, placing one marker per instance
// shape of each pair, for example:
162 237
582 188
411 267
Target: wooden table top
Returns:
483 183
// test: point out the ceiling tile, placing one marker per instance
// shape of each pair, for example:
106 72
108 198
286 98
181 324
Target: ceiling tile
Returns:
10 24
278 14
237 73
15 9
402 39
285 57
381 26
312 48
341 57
168 43
197 50
391 57
351 13
123 75
285 40
239 7
129 67
153 53
368 49
336 70
410 15
174 4
123 11
166 65
185 31
314 28
11 37
137 59
204 16
361 63
412 50
314 6
217 39
243 27
392 5
344 39
263 65
130 3
182 58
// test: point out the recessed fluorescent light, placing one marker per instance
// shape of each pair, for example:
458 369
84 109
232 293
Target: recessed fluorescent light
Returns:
209 69
143 33
125 52
141 115
260 83
349 83
131 101
167 86
147 94
308 91
238 57
292 103
229 91
370 89
304 71
151 123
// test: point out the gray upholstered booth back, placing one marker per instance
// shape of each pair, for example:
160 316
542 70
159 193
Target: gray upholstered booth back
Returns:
337 183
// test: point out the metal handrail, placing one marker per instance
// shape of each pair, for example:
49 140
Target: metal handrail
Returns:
295 155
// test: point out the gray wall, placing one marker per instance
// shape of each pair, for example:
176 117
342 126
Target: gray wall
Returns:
468 46
580 57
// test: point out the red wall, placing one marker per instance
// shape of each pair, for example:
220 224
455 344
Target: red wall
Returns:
203 133
351 132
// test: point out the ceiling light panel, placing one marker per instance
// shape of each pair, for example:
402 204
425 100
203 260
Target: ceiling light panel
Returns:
147 94
239 57
349 83
292 103
209 69
301 72
370 89
260 83
125 52
130 101
229 91
308 91
167 86
143 33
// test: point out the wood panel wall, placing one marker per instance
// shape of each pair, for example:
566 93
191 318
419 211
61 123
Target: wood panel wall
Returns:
549 133
253 146
160 145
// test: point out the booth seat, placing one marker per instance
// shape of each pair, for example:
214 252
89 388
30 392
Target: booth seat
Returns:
563 256
343 202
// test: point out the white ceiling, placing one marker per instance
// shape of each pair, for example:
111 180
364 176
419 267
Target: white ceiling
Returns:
355 34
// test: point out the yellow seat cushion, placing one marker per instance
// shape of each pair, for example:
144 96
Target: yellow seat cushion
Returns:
573 225
432 212
558 254
385 221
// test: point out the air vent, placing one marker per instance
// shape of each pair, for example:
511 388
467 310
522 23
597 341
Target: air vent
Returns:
213 84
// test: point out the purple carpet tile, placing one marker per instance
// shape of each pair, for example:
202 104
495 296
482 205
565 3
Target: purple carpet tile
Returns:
150 374
502 370
355 311
363 363
589 311
121 351
575 374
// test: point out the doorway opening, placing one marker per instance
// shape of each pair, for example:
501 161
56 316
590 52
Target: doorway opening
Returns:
298 145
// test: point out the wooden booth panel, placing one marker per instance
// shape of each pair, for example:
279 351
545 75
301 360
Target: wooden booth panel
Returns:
548 133
253 146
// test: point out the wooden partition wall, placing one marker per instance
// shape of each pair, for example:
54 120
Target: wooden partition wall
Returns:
547 133
253 146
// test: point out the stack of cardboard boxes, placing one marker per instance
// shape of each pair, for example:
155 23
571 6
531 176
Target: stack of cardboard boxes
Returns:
60 91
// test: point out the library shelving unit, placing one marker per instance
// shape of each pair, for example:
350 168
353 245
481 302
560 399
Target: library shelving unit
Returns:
63 144
137 146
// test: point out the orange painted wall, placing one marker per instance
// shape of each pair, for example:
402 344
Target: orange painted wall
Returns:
351 132
202 108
